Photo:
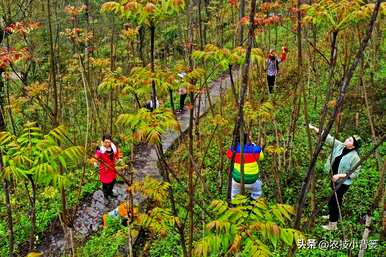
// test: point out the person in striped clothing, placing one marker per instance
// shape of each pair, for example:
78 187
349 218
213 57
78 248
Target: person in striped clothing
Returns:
252 154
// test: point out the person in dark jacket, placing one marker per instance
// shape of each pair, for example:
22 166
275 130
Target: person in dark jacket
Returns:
107 154
183 93
343 159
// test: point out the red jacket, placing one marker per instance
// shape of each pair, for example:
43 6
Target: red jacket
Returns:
107 171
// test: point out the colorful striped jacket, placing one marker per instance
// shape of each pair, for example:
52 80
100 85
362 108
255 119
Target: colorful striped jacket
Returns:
252 154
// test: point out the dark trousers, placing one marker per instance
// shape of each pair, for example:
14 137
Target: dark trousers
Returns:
271 83
332 204
108 188
182 101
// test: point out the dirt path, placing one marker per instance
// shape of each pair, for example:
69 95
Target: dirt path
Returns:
90 211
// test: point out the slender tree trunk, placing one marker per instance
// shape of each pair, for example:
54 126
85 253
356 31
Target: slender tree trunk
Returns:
242 13
191 160
382 202
141 36
55 121
33 214
368 112
9 217
171 99
154 93
297 99
305 107
221 143
9 109
233 87
6 189
190 179
243 92
330 78
200 26
276 175
313 193
112 68
165 175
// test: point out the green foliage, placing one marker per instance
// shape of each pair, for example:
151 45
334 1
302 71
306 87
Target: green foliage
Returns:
145 12
149 126
263 111
107 243
39 155
153 189
166 247
246 228
225 57
339 15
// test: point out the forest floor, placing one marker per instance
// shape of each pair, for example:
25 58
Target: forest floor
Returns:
89 213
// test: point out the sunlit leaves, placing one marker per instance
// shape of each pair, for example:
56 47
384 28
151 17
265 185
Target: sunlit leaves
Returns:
225 57
22 28
113 80
274 150
11 55
77 35
43 156
144 12
34 254
246 228
269 6
338 15
261 19
129 33
263 111
36 89
153 189
75 11
158 219
149 126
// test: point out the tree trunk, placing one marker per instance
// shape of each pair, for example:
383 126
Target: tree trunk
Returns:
141 36
112 68
242 13
332 64
190 179
154 94
8 205
221 143
55 121
9 216
233 87
165 175
243 89
33 214
171 99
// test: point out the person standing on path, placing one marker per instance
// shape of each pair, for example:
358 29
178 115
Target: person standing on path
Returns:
107 154
273 62
183 93
342 160
252 154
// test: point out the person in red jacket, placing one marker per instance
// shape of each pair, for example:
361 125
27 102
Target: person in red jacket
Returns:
107 154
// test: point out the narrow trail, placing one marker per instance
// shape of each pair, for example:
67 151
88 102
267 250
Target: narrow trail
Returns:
90 211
